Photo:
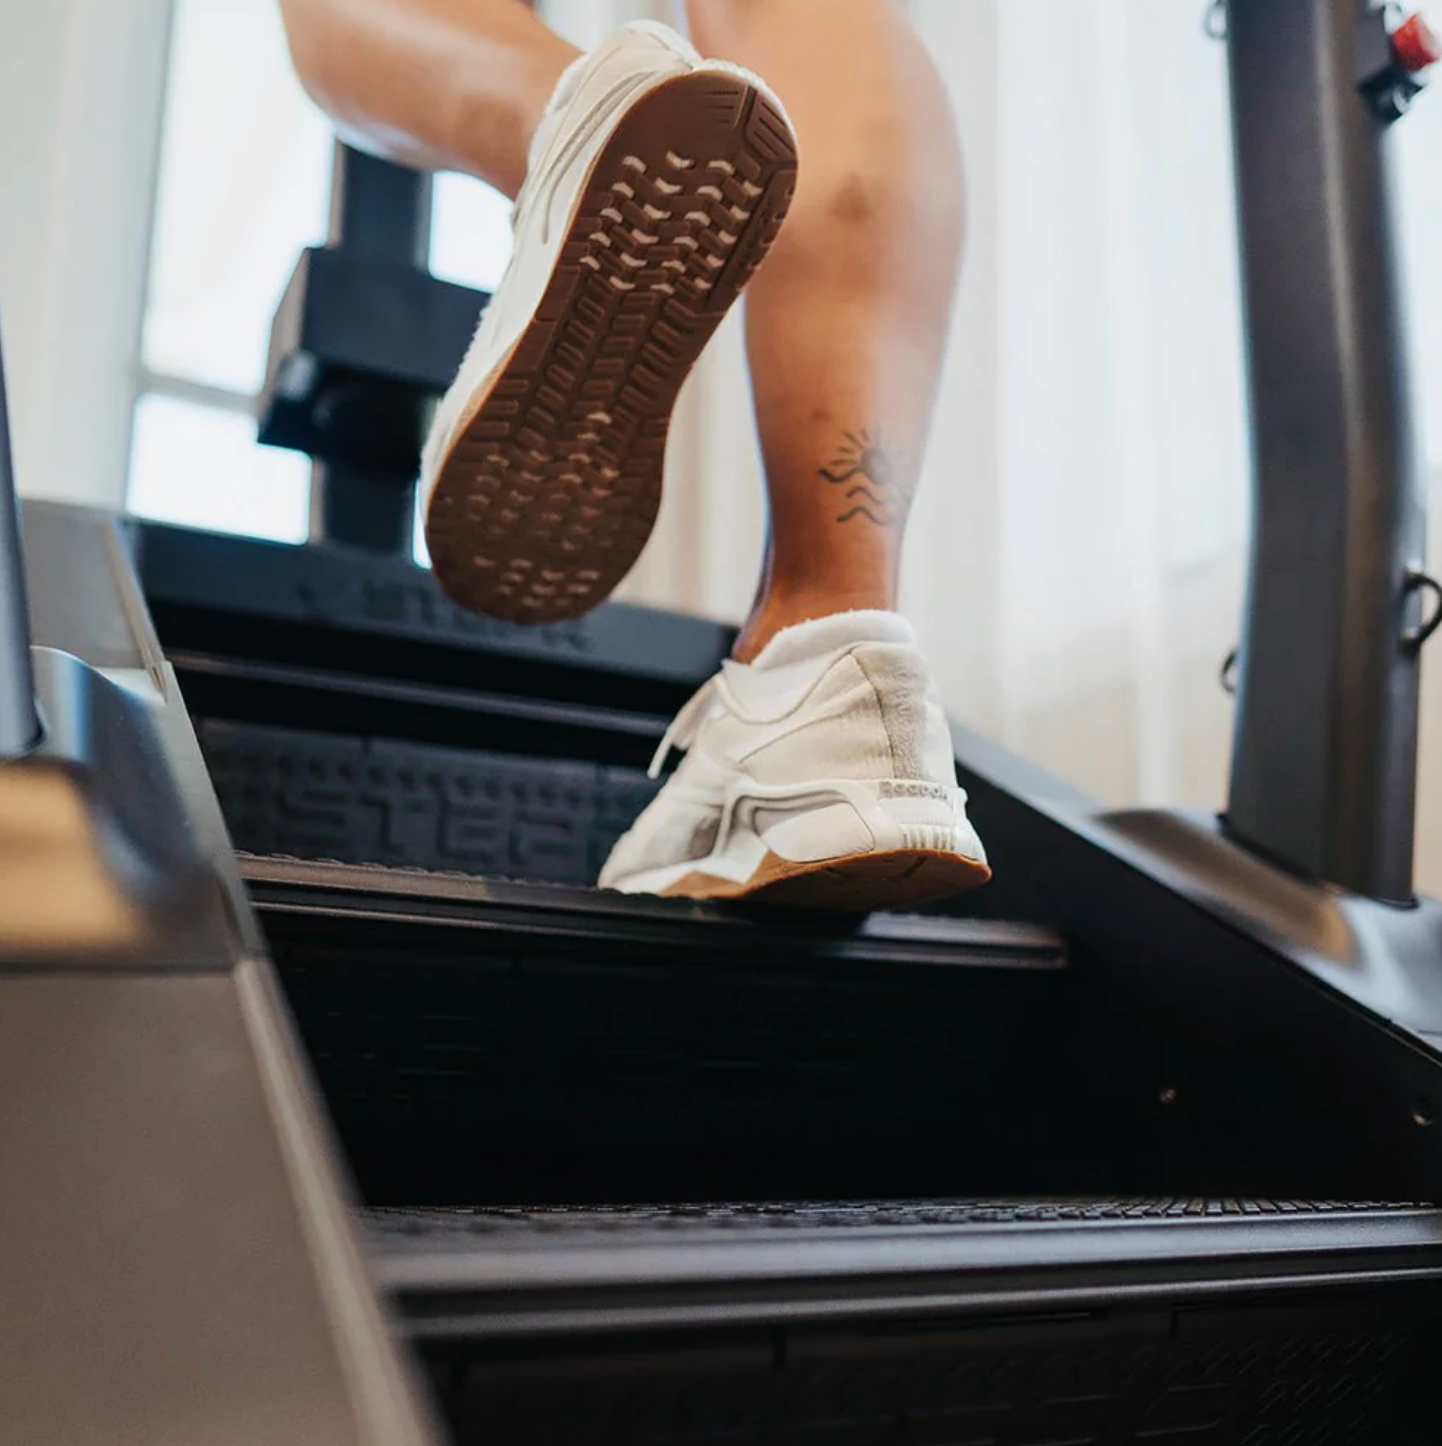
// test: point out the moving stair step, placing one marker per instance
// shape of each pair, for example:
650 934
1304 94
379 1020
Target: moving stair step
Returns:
377 799
925 1321
482 1041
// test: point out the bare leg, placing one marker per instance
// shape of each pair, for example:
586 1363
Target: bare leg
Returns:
445 84
846 322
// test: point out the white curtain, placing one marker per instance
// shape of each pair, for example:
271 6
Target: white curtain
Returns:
1075 563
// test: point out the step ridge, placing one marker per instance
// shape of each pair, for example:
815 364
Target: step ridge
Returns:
285 881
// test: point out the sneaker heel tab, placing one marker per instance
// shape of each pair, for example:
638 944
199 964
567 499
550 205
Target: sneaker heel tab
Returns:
911 710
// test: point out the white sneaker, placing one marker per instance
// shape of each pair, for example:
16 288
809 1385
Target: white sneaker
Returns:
657 183
820 776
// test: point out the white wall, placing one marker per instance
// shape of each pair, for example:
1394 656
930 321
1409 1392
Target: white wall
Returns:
81 84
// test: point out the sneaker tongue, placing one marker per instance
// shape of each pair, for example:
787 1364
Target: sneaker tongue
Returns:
812 639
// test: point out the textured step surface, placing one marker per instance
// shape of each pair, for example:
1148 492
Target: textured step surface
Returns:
764 1261
940 1323
482 1041
330 606
320 795
463 1228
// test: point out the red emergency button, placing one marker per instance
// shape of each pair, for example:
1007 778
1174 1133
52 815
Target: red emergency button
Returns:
1416 45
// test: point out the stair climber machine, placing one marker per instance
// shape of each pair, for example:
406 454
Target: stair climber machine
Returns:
1137 1144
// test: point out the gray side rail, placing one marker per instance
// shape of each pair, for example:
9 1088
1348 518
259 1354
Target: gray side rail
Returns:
19 726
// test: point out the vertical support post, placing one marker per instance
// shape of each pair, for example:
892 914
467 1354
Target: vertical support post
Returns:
1325 762
19 726
382 210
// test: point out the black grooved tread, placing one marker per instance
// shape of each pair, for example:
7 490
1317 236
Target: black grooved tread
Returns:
604 1327
552 486
770 1217
363 800
1234 1379
480 1043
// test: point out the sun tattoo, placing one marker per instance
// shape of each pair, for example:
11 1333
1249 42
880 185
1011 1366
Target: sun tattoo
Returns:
873 475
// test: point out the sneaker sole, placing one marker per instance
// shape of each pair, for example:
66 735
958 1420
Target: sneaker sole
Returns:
859 883
551 486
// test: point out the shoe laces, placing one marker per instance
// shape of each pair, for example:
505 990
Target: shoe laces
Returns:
685 725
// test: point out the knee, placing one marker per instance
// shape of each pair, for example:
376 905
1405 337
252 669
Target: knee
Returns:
855 199
875 210
894 163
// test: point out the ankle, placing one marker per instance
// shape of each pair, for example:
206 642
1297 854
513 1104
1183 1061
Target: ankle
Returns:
772 613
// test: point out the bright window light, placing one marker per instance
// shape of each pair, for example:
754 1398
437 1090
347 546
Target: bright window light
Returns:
470 232
245 169
200 466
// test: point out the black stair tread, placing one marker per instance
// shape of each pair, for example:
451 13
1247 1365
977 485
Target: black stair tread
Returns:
334 889
480 1041
340 604
498 1271
500 811
358 689
433 1227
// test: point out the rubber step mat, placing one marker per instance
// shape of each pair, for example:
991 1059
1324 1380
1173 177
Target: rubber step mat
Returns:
353 799
330 607
967 1322
522 1268
482 1041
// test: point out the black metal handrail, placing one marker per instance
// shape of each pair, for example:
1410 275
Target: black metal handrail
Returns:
1324 771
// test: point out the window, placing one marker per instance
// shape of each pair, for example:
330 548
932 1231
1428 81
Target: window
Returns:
244 186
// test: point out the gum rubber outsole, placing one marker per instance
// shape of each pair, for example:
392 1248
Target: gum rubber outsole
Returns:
860 883
551 486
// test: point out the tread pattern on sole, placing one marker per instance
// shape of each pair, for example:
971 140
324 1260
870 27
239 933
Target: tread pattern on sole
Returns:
552 486
860 883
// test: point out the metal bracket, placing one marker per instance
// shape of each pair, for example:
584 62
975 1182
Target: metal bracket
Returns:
364 339
1413 639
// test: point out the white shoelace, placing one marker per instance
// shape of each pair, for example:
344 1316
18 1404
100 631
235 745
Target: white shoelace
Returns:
685 725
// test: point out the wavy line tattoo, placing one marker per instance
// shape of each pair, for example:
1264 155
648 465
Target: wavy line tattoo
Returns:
879 473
